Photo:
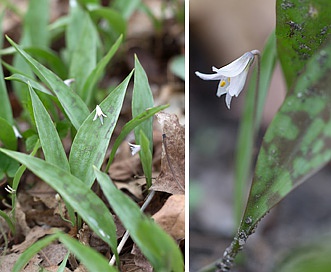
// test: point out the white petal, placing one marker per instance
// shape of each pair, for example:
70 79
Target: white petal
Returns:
228 100
237 66
209 77
237 83
222 90
134 149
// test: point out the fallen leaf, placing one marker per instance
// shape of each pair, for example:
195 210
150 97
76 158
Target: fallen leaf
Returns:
32 237
140 260
171 217
7 262
172 175
53 254
134 187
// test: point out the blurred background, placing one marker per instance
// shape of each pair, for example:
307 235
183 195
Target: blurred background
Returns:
221 31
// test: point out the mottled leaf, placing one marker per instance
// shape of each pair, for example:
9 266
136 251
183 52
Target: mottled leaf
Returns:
88 205
49 138
73 105
92 139
156 245
301 27
296 145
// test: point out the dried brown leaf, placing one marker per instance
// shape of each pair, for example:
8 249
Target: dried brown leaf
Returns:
32 237
7 262
140 260
53 254
171 217
172 176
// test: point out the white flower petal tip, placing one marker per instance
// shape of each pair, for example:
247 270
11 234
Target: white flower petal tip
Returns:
134 149
69 81
10 189
99 114
232 77
17 133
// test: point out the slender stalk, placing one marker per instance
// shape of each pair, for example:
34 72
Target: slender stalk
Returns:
126 234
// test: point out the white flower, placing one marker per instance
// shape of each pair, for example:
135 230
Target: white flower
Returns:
17 133
232 77
99 113
9 189
69 81
134 149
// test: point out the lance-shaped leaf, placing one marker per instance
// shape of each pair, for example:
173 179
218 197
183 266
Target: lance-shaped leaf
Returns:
72 104
88 205
129 126
49 138
92 139
158 247
98 71
296 145
250 123
142 99
301 27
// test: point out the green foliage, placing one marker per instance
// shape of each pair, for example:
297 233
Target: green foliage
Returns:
93 35
301 27
90 144
146 158
163 258
250 122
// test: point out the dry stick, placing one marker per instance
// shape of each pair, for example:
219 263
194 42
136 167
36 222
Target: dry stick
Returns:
168 160
126 234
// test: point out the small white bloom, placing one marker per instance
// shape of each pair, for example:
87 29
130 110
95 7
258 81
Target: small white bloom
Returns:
10 189
99 113
17 133
232 76
69 81
134 149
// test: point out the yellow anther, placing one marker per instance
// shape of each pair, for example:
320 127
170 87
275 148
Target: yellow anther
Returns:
222 83
228 79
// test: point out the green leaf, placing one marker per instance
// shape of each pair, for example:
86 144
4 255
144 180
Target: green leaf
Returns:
98 71
88 205
142 99
91 259
35 30
177 66
7 135
49 138
129 126
5 109
83 58
250 123
146 158
34 84
296 145
92 139
301 27
8 221
159 248
126 7
73 105
116 23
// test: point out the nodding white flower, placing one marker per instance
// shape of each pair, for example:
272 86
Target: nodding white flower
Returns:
9 189
69 81
17 133
134 149
232 77
99 114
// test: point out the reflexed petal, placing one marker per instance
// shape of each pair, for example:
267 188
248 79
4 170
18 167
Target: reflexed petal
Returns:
236 67
237 83
228 100
209 77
